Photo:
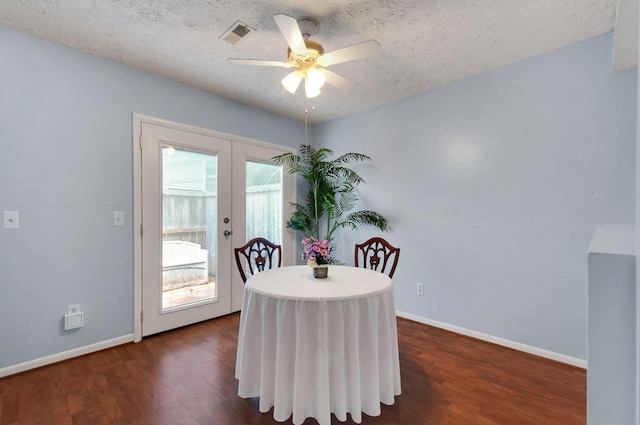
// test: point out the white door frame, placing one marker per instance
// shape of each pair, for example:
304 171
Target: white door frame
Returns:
289 236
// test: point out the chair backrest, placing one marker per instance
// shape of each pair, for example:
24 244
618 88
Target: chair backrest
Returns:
377 254
257 255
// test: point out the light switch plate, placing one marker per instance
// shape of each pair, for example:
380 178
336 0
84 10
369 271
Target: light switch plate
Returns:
11 220
118 218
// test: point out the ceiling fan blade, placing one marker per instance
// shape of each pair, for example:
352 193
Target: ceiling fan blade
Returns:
259 62
339 81
291 32
356 51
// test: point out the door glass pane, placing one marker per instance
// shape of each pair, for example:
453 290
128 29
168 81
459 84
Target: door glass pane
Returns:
189 207
264 201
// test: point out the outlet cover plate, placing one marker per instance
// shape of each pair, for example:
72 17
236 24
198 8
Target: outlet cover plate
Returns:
73 321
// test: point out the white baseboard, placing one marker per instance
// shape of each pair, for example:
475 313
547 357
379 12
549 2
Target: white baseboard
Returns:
496 340
54 358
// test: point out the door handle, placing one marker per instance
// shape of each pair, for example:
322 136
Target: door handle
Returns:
227 233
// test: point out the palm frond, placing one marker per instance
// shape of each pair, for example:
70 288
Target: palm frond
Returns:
289 160
345 200
349 175
301 220
372 218
351 157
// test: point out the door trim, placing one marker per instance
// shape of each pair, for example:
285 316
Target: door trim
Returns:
289 236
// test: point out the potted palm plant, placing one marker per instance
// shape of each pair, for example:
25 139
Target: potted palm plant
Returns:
332 195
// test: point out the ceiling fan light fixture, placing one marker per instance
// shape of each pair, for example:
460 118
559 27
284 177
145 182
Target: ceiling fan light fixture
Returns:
315 77
310 90
292 81
307 57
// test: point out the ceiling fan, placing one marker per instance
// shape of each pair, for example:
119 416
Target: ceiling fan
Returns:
308 59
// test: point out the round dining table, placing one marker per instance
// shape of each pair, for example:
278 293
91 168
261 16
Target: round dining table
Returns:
312 347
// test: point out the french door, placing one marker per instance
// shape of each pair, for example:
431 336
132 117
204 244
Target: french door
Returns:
200 196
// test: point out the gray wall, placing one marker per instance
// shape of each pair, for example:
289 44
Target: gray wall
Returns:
495 185
66 165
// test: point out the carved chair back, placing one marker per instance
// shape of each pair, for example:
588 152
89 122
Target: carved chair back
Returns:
377 254
257 255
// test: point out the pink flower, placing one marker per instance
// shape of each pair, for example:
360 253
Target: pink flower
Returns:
318 250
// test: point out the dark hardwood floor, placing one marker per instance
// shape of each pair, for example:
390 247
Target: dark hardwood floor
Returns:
187 377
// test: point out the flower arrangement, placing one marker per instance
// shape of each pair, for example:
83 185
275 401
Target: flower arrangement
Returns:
318 251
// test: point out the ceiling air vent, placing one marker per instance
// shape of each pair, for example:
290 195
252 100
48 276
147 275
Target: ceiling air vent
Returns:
237 32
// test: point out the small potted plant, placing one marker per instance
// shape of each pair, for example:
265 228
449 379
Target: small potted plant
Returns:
318 255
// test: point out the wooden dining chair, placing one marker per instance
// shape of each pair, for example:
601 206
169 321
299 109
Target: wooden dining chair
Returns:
377 254
257 255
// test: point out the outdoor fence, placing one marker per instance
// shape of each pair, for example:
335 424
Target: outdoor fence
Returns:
191 216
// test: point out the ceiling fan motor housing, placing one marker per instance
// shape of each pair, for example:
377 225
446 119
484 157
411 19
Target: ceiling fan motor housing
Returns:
308 26
314 50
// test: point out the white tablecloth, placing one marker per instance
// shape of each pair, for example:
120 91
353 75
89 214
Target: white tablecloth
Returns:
311 347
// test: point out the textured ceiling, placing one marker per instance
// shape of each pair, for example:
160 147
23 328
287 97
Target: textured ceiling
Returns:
425 44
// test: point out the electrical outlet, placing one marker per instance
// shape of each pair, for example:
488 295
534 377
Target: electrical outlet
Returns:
420 288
